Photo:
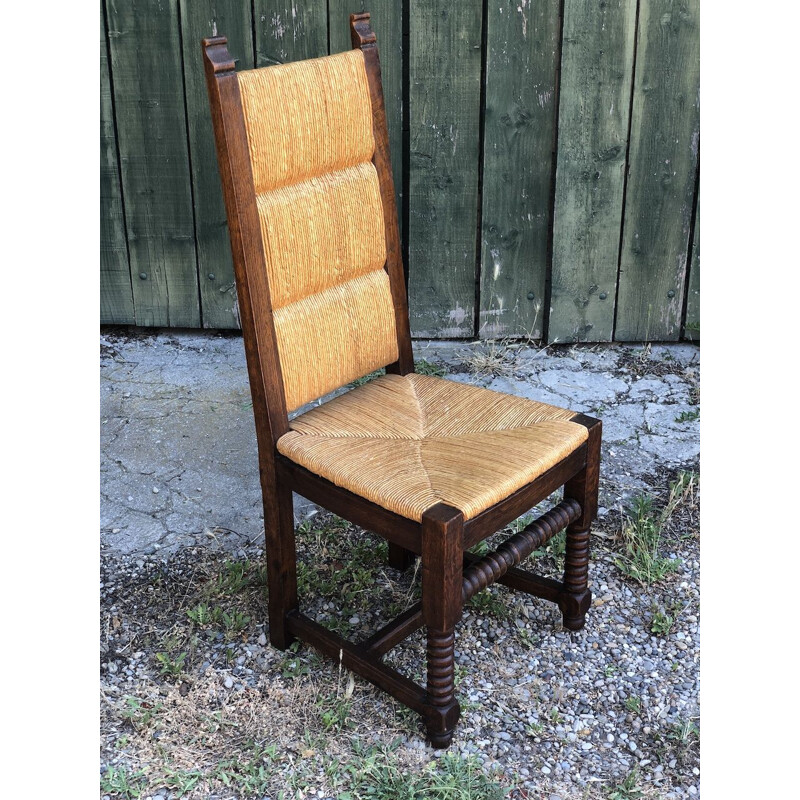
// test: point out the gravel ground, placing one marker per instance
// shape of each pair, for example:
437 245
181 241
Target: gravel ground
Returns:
195 702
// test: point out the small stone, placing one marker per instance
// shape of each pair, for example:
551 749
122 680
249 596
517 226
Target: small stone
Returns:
546 770
229 682
262 640
155 490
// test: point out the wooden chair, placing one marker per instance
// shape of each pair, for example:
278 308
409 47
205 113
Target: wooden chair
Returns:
432 465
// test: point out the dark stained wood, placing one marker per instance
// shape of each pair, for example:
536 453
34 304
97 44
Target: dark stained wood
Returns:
522 581
266 382
584 486
519 129
442 556
491 567
444 124
659 197
401 627
154 157
391 526
281 561
363 38
287 30
116 295
576 599
200 18
400 558
594 105
356 659
255 307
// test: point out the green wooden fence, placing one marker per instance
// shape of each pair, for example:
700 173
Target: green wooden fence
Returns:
545 156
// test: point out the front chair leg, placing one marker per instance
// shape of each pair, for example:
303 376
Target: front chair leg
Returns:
442 558
281 560
576 598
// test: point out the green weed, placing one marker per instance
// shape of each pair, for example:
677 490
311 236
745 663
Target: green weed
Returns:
633 704
629 789
119 782
424 367
169 666
140 713
451 777
641 539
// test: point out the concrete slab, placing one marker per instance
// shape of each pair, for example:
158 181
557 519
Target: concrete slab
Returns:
178 452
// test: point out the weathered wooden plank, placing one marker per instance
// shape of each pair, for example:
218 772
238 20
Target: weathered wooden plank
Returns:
444 110
288 30
522 50
387 22
151 125
665 131
596 75
691 323
116 295
201 18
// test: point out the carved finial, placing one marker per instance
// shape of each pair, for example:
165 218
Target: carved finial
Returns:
215 51
361 34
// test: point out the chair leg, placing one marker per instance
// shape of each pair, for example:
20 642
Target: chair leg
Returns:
281 561
400 558
576 598
442 559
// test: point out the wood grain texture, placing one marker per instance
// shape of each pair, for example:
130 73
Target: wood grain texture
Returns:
154 156
665 134
387 22
596 76
116 295
522 49
199 19
691 326
290 30
444 112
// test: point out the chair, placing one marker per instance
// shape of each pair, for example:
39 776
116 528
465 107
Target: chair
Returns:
431 465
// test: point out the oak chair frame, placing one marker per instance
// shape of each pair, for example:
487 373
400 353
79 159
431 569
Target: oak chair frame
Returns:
450 575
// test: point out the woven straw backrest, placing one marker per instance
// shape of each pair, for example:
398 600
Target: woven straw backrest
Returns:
309 131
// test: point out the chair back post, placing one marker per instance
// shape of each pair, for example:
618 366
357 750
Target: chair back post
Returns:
255 306
364 39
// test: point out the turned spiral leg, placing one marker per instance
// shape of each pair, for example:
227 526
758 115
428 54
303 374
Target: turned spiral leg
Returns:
442 558
441 682
576 598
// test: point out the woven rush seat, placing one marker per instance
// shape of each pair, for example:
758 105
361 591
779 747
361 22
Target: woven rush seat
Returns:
407 442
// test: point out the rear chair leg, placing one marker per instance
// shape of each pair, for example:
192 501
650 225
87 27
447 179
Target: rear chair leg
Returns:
576 598
400 558
442 558
281 561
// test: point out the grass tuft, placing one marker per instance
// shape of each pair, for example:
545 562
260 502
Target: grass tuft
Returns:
642 533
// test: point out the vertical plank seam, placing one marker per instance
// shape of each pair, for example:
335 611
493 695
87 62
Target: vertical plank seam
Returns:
254 26
116 152
626 174
476 323
179 5
548 267
405 131
328 23
690 250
